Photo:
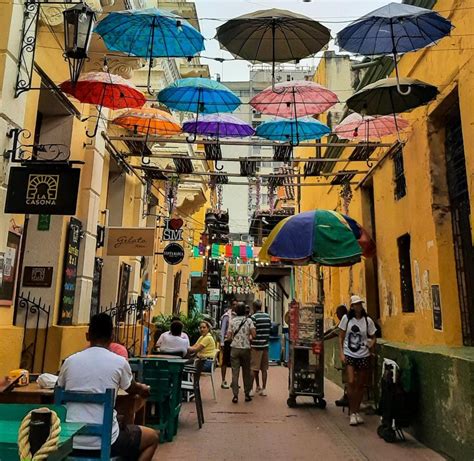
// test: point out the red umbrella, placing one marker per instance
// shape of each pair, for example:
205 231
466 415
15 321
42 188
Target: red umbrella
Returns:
294 99
104 90
356 127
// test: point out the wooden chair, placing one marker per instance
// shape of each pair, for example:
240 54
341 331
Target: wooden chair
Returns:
104 430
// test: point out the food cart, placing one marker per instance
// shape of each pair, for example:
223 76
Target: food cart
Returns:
306 357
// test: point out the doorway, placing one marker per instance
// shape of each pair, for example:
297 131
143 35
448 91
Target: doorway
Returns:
461 221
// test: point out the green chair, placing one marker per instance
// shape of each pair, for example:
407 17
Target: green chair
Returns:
156 374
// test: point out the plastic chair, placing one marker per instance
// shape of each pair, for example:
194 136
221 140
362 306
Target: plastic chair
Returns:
104 430
211 373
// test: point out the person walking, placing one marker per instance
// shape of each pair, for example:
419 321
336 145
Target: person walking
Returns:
259 350
241 330
356 340
225 343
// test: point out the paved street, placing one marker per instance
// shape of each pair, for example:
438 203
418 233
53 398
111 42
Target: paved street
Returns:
266 429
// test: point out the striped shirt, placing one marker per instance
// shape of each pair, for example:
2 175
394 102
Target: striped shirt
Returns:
262 324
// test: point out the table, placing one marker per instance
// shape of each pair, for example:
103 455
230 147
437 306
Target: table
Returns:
9 440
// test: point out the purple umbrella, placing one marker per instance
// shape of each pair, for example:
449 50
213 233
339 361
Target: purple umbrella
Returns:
219 125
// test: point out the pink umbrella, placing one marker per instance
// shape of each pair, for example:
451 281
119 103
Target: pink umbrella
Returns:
294 99
356 127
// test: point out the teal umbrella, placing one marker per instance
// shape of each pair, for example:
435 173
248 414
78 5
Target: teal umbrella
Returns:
293 130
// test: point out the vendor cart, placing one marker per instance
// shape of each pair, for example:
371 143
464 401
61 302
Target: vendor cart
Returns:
306 355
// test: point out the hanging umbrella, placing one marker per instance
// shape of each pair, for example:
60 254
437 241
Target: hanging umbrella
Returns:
356 127
150 33
320 236
272 36
394 29
198 95
293 130
104 90
148 120
382 97
219 125
294 99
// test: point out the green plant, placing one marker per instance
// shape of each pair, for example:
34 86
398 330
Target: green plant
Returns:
190 324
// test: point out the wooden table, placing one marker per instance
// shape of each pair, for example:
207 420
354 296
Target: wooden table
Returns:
9 440
33 393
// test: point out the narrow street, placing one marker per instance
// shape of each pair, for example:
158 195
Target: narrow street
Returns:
266 429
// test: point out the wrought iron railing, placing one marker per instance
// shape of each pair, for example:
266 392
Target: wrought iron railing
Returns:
131 325
33 315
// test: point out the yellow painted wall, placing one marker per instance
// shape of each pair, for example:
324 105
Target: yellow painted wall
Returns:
10 348
422 212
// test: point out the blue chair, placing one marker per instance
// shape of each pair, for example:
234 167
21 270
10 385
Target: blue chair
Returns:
104 430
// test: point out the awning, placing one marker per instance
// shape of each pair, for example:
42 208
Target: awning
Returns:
270 274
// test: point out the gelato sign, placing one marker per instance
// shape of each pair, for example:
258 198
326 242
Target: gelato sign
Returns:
130 241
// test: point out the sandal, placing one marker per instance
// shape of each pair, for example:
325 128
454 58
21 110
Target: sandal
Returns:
235 399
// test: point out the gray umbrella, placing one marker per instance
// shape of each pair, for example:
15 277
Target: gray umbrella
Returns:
383 98
272 36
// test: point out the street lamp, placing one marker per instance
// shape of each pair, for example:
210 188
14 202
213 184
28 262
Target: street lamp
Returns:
78 25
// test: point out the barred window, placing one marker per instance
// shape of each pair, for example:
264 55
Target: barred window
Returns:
399 174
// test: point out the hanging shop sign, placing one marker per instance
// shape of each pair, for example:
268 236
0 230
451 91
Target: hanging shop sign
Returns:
37 276
172 230
173 254
71 260
214 295
42 190
130 241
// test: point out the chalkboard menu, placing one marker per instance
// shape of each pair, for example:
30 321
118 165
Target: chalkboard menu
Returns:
437 315
96 284
71 260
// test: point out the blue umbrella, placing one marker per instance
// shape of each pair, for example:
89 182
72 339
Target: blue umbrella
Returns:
199 95
293 130
150 33
393 29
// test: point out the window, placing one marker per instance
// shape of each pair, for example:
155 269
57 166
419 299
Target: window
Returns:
406 285
399 174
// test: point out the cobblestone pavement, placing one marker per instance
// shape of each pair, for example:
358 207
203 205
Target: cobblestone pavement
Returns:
266 429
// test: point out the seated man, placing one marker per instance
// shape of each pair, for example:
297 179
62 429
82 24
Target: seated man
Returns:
94 370
172 342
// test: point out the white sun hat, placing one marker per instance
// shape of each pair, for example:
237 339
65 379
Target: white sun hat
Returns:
356 299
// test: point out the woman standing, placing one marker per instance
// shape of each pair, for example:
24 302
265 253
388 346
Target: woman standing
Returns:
241 331
356 340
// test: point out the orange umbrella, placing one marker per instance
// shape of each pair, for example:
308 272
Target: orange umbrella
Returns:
149 121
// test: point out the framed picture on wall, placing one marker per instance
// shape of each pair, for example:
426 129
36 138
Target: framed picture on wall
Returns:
9 268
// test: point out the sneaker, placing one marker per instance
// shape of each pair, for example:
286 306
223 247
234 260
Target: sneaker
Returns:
259 389
252 393
224 385
248 398
359 419
263 392
353 420
235 399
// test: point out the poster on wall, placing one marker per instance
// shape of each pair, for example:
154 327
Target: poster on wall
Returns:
71 260
96 285
8 268
437 315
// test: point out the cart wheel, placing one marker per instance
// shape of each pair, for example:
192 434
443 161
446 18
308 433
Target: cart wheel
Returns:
320 402
291 402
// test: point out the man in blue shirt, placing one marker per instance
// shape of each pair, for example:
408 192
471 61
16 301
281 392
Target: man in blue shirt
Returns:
259 352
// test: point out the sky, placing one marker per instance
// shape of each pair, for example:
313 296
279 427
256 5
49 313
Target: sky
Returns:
334 14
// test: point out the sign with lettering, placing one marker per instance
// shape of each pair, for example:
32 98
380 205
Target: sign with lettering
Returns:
42 189
130 241
71 260
173 253
173 229
37 276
